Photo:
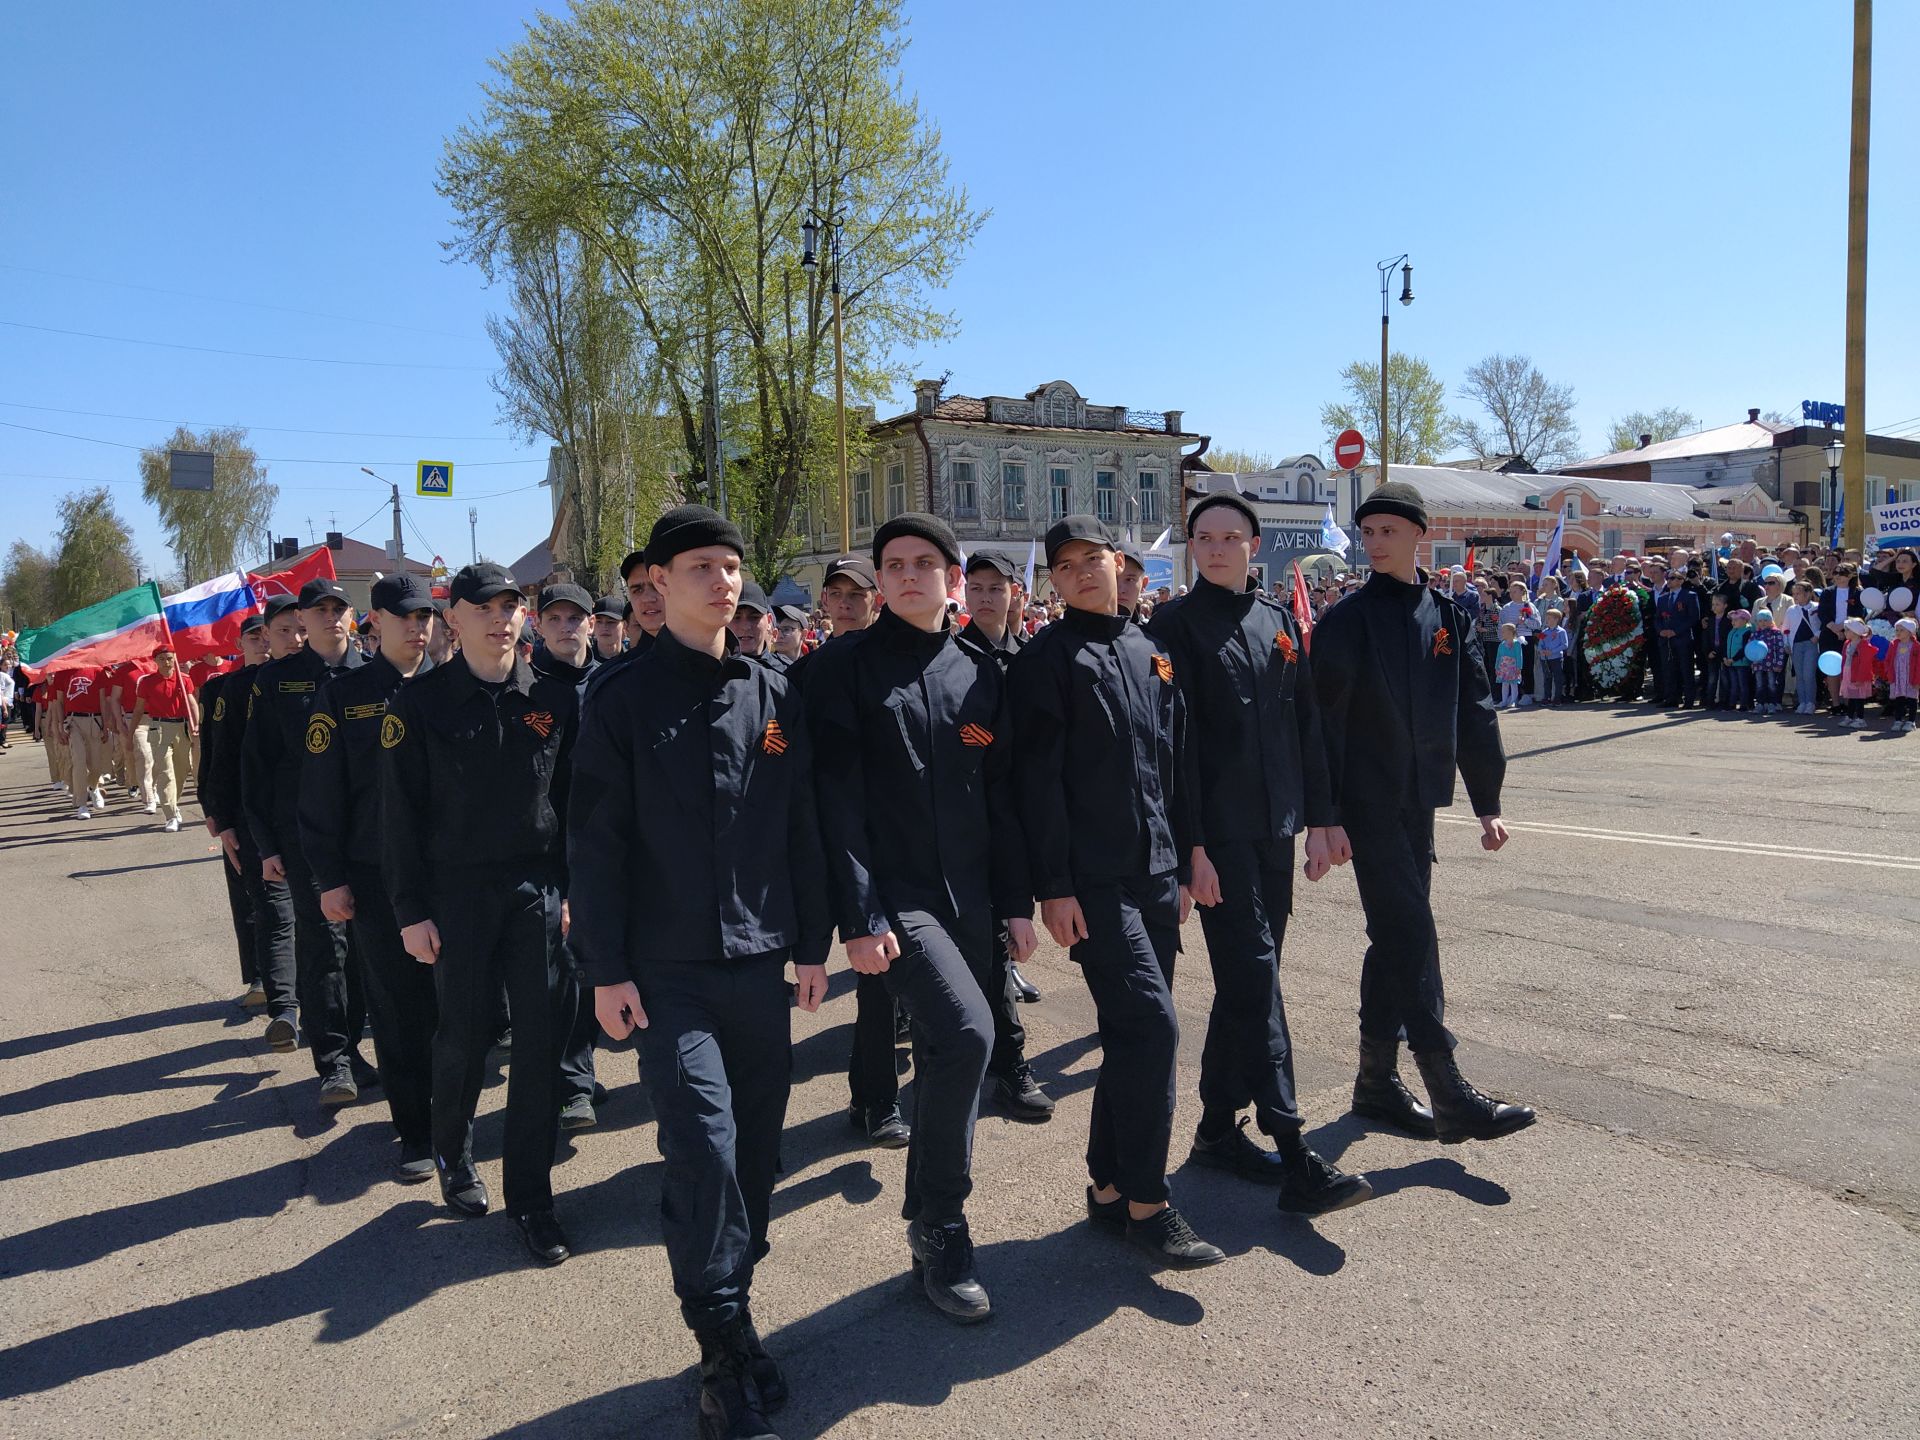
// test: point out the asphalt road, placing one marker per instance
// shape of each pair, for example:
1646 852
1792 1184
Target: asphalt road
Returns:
1696 957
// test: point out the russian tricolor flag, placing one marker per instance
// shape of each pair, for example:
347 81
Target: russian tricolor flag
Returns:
206 620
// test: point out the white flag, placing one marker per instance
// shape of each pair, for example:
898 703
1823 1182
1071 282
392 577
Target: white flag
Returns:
1159 547
1553 545
1331 535
1032 545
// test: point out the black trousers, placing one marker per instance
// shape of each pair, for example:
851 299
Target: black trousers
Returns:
1133 930
496 925
333 1009
274 964
1400 987
240 906
578 1029
872 1080
401 1007
1248 1057
717 1060
938 981
1009 1035
1677 683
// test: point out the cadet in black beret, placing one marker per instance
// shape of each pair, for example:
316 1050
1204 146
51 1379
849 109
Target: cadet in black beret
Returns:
1404 701
1230 499
931 528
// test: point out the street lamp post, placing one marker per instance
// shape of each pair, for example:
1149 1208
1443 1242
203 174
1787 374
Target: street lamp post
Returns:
1385 267
1836 452
810 234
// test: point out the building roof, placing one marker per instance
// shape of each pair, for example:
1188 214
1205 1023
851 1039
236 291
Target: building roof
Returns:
972 410
1446 488
357 558
1723 440
534 566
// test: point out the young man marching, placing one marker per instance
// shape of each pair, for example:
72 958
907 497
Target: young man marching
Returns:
1404 699
166 718
697 870
1242 668
924 852
475 760
1104 780
214 803
340 836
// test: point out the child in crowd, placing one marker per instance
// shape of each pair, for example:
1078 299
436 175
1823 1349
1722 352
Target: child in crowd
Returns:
1802 629
1509 662
1717 683
1739 669
1903 672
1486 628
1524 616
1770 674
1858 665
1553 645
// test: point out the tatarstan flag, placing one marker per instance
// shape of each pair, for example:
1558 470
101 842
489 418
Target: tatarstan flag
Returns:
126 626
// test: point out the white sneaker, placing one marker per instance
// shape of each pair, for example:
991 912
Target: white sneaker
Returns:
150 808
172 826
83 813
96 799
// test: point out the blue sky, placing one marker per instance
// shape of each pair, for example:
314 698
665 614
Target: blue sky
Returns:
1649 199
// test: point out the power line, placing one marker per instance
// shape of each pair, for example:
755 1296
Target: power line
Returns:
243 354
236 425
270 459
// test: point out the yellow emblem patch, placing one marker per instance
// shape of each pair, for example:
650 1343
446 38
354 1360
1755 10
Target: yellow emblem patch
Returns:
319 734
219 708
392 731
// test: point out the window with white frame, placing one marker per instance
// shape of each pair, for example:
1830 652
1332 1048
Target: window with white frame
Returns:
1013 490
966 493
1060 486
863 500
1104 493
1149 497
896 490
1448 553
1571 507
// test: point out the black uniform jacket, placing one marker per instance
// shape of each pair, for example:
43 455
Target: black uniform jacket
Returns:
605 670
340 783
212 716
1102 766
278 704
544 662
470 781
914 754
228 721
693 835
1403 700
1002 654
1240 662
775 661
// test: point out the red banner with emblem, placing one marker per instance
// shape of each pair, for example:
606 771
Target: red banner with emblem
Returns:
317 566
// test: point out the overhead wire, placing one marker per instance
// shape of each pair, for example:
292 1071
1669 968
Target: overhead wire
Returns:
237 425
270 459
243 354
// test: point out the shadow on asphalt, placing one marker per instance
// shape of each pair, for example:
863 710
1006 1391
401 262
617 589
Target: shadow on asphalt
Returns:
136 869
197 1013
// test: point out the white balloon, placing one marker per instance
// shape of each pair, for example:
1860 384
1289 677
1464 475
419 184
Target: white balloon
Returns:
1873 600
1901 599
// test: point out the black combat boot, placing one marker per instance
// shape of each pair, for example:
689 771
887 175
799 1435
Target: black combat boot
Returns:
1380 1094
764 1369
728 1410
1461 1112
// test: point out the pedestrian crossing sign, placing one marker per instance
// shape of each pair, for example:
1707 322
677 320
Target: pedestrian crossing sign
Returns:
434 477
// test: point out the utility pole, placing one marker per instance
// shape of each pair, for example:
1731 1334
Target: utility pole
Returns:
716 463
473 533
1853 481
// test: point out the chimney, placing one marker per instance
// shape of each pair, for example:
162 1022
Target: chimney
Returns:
1645 440
1753 415
926 395
1173 419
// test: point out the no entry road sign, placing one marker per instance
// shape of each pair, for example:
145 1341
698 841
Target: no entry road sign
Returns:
1349 449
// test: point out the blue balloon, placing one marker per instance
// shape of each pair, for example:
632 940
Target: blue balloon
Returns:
1756 650
1879 643
1830 663
1769 570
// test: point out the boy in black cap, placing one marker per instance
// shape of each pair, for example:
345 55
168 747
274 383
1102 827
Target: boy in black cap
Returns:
1404 699
789 636
924 854
698 876
1133 579
1242 667
1104 783
475 761
340 837
609 615
277 742
749 624
215 804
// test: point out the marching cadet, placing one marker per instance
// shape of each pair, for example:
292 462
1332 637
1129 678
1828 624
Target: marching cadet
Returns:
750 625
924 855
991 633
439 640
1262 771
564 654
789 636
693 765
166 714
644 617
475 759
1404 700
1133 580
253 649
88 738
609 627
1104 780
277 741
340 828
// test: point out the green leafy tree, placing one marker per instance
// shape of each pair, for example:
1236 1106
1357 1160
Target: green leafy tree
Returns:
1238 462
1416 404
685 141
26 587
1527 415
93 552
1665 423
211 531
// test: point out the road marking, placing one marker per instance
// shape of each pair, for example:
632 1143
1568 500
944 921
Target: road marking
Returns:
1757 849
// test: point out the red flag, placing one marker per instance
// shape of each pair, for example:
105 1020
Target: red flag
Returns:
318 565
1469 559
1302 607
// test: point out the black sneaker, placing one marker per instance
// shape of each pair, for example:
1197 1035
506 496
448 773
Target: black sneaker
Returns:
762 1368
728 1410
416 1163
337 1088
1167 1237
282 1035
943 1264
577 1114
365 1073
546 1241
464 1191
1020 1094
902 1025
884 1128
1315 1185
1107 1214
1024 990
1235 1153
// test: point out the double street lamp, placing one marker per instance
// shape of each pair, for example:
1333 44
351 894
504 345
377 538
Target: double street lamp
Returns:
812 230
1385 267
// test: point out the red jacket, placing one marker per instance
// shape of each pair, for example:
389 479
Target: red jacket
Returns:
1901 652
1862 665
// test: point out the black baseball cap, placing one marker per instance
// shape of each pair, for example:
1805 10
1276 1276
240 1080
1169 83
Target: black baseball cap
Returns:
1131 551
478 584
987 560
566 593
855 567
320 588
1076 527
790 615
752 597
611 607
275 604
403 595
253 623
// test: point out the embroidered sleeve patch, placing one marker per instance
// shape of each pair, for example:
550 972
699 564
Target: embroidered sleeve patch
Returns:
1442 642
1163 667
773 742
367 711
1284 644
319 734
295 687
219 708
540 722
977 736
392 731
